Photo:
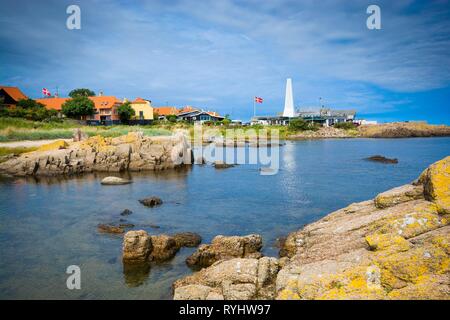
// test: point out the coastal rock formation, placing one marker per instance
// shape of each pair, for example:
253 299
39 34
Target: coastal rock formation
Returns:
133 152
235 279
139 246
394 247
223 248
113 181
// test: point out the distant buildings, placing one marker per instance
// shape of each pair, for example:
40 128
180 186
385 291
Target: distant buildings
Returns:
328 117
323 116
105 108
143 110
9 96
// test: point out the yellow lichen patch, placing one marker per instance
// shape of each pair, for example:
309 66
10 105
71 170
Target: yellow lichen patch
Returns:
56 145
436 181
97 144
420 219
287 294
380 241
411 266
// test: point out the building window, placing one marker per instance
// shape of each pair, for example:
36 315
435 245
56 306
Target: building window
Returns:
141 115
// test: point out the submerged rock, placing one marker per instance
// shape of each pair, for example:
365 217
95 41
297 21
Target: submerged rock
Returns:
126 212
151 201
187 239
222 248
108 228
112 181
222 165
381 159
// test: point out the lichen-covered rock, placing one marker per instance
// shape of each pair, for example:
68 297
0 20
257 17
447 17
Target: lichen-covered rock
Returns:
222 248
436 182
394 247
398 195
137 246
133 152
234 279
56 145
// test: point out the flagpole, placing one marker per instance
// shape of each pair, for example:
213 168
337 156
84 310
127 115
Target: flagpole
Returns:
254 107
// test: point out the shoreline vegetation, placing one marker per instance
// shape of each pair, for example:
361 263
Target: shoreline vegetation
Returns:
16 129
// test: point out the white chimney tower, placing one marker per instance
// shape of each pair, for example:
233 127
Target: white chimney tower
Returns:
289 100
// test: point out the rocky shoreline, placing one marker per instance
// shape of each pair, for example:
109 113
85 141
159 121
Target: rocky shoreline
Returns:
396 246
131 152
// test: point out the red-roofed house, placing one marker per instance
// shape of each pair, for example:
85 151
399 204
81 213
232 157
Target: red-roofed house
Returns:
105 108
9 96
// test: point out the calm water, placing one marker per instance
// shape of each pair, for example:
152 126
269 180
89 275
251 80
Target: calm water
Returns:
48 225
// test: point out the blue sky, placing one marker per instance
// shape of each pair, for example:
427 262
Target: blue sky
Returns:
218 54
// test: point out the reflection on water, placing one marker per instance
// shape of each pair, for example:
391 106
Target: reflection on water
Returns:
48 224
135 274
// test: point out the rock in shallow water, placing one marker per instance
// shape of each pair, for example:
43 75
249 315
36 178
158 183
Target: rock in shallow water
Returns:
139 246
187 239
126 212
112 181
151 201
382 159
108 228
223 247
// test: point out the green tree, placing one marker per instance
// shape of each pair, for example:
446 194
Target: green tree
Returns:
126 112
78 107
81 92
171 118
29 104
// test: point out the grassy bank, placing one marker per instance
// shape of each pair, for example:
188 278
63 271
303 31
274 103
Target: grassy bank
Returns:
15 129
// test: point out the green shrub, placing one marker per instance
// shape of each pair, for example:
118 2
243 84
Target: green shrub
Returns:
302 125
345 125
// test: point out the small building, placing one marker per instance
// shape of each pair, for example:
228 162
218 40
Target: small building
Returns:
9 96
199 116
105 109
327 117
143 109
270 120
163 112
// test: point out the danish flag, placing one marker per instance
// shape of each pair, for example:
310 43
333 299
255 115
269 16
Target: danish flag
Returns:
258 100
45 92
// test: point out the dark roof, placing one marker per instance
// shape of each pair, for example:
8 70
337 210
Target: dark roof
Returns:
14 93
